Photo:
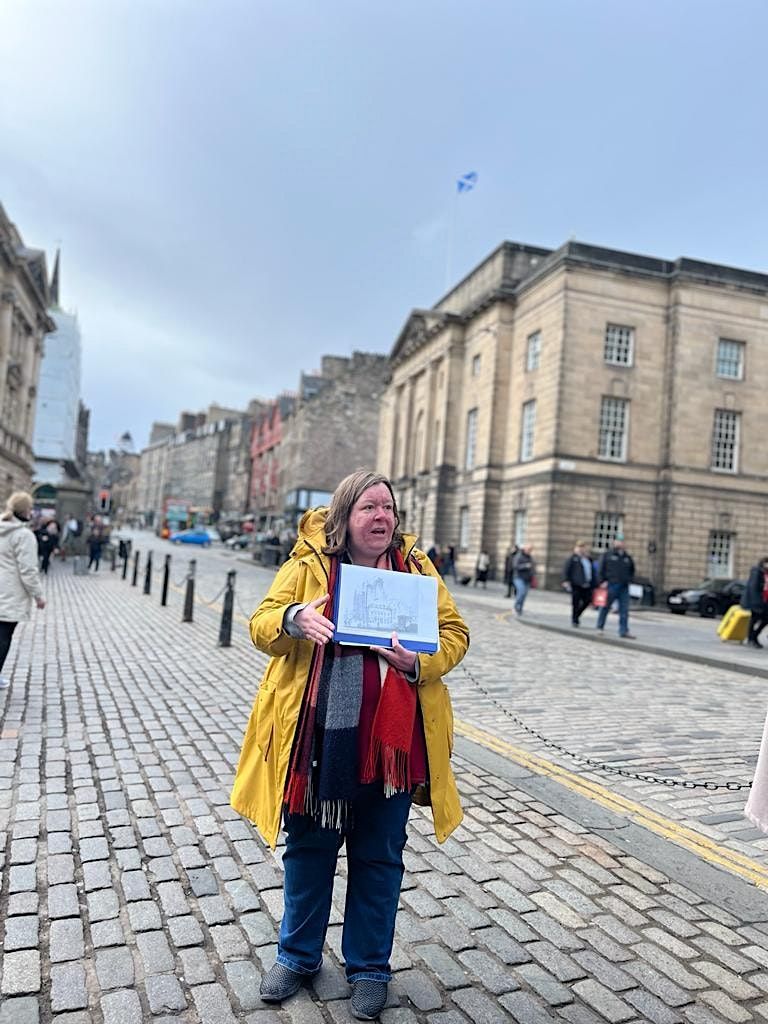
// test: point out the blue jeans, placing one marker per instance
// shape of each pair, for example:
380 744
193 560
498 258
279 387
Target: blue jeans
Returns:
521 592
375 842
616 592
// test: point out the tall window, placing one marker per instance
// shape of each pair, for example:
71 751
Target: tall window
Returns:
607 527
720 555
469 459
619 344
725 440
464 528
533 351
730 359
527 430
521 526
437 443
477 362
612 442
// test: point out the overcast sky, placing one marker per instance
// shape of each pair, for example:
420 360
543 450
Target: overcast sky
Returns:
240 186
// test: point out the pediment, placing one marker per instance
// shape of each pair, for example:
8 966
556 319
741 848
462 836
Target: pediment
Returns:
420 326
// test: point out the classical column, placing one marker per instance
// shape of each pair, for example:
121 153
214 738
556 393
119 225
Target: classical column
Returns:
7 303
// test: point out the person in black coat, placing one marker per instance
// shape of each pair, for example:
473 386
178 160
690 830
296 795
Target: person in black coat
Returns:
754 600
509 569
617 569
578 577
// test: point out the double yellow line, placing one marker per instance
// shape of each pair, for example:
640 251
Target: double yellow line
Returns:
704 848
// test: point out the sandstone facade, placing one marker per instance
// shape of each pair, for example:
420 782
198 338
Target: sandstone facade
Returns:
556 395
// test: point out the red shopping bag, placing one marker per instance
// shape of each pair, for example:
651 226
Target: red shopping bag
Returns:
600 596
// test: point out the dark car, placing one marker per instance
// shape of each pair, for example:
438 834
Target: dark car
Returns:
710 598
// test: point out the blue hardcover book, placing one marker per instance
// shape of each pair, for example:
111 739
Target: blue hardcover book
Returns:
372 604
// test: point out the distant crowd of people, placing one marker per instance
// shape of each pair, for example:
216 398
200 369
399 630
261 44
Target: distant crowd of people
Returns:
600 580
74 538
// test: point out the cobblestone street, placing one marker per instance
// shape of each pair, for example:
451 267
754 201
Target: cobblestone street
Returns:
131 892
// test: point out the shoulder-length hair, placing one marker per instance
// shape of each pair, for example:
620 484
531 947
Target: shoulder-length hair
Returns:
342 503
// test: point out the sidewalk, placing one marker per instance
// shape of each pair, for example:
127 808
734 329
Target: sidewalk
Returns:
656 629
131 892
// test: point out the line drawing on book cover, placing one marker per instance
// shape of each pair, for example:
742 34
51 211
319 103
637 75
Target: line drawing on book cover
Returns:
375 607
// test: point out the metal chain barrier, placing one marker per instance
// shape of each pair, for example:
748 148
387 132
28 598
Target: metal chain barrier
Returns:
213 600
241 610
601 765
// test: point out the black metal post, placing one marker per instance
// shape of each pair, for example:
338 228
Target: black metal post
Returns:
125 564
135 568
166 576
148 574
189 596
225 630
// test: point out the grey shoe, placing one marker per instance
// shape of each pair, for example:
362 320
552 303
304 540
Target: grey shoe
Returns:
279 983
4 683
368 999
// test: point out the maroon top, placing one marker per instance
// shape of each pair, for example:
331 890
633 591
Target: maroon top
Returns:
371 694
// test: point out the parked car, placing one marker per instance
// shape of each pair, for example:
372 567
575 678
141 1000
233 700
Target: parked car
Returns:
197 535
239 542
710 598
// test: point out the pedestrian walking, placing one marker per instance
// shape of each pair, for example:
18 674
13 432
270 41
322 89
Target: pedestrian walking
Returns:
448 562
341 739
434 555
617 570
523 575
755 600
47 544
19 576
96 539
509 569
578 577
482 567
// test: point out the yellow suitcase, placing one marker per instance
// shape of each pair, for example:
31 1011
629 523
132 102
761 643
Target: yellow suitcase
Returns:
734 625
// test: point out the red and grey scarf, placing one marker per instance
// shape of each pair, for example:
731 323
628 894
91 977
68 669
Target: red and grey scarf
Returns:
324 774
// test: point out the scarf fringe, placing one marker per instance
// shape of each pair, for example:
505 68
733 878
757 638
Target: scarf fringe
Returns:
395 767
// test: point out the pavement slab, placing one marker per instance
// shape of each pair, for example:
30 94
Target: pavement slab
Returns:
121 732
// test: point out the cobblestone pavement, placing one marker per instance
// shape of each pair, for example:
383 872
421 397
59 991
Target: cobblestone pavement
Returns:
131 892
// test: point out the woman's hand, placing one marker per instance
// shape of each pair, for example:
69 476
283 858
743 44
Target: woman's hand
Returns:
313 624
398 656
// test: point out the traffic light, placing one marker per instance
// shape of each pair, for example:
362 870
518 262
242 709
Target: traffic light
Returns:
104 501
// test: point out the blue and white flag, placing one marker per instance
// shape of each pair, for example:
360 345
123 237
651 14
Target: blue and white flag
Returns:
466 182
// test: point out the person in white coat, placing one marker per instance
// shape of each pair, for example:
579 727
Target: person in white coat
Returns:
19 576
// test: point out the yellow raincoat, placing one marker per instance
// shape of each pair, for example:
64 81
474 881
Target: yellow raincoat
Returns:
259 784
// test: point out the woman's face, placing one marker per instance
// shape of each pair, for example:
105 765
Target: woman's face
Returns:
371 525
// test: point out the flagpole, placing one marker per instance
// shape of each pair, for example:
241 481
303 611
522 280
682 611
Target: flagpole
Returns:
451 240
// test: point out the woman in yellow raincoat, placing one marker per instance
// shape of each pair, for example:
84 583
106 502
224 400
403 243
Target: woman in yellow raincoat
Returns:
342 739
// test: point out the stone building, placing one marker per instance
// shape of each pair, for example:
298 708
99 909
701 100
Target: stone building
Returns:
303 444
582 392
24 322
333 428
266 459
202 466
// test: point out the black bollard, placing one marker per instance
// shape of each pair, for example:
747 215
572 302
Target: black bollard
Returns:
225 630
189 596
166 576
125 564
135 569
148 574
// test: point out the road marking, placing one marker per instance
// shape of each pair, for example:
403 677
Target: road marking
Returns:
705 848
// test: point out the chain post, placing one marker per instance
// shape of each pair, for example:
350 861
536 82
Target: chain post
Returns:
189 596
135 569
225 630
148 574
166 576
